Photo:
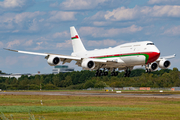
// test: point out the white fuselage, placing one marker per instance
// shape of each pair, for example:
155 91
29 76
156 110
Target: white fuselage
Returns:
130 54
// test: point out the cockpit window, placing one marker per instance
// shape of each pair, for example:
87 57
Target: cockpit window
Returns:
150 43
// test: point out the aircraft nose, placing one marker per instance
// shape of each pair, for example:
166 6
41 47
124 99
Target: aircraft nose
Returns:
153 57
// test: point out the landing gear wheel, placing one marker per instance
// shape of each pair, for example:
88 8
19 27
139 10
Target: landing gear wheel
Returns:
148 70
97 73
105 73
112 73
115 73
101 73
127 73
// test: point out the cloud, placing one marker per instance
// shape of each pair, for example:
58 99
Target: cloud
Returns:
146 12
66 44
12 43
80 4
172 31
89 4
121 14
26 22
61 34
38 48
39 43
164 11
54 4
1 44
28 43
27 15
57 16
15 5
152 2
101 32
101 23
42 44
17 42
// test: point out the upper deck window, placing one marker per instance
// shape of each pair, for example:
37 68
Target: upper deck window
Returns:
150 43
126 46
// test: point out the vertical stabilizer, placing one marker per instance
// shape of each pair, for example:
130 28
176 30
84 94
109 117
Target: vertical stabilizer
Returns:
76 41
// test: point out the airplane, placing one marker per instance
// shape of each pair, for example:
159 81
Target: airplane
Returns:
122 57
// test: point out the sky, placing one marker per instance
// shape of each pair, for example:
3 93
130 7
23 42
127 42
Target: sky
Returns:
43 26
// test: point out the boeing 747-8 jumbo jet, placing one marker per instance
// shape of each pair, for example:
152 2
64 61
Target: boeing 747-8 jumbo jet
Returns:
122 57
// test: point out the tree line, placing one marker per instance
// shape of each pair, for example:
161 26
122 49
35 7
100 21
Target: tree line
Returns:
85 79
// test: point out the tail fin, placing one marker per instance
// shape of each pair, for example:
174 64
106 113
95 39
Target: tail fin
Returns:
76 41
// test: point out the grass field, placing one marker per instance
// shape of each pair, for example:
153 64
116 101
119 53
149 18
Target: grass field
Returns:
89 107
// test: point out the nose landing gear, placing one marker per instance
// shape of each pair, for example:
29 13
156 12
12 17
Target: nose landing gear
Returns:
148 70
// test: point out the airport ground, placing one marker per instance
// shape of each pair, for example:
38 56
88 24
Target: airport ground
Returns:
82 105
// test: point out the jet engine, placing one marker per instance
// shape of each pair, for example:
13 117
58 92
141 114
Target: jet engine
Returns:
87 63
164 64
53 60
153 66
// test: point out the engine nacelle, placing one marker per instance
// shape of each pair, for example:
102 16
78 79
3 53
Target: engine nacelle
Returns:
53 60
153 66
87 63
164 64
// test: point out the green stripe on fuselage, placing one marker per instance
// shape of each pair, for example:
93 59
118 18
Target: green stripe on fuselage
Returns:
146 56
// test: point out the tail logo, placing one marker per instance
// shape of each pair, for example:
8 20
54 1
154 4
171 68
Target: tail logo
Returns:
76 37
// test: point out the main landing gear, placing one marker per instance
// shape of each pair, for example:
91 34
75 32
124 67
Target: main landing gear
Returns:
105 73
127 73
113 73
101 73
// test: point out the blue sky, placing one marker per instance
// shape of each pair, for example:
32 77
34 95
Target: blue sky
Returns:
43 26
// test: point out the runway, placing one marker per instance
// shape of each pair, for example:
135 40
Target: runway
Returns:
103 94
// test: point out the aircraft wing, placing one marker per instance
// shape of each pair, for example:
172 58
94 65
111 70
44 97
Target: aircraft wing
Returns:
26 52
166 57
63 58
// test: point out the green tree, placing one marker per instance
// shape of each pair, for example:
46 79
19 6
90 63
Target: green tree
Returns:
89 84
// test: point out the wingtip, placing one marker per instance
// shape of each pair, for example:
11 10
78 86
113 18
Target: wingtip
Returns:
10 49
5 48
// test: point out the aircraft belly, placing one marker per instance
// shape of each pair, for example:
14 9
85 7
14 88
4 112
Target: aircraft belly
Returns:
134 60
116 63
